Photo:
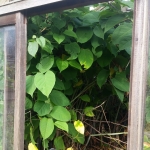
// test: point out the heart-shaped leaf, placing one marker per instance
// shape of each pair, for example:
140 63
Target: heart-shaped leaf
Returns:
121 82
58 38
45 82
42 108
41 41
30 86
62 125
33 48
86 58
84 34
46 127
45 64
98 32
88 111
61 64
102 77
60 113
58 98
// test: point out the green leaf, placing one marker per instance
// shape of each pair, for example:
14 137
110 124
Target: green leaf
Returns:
69 74
73 115
45 82
73 49
70 33
86 58
33 48
85 98
41 41
120 94
58 38
88 111
97 52
48 47
42 108
98 32
45 64
122 36
59 85
113 49
62 125
59 22
84 34
75 134
121 82
102 77
60 113
28 104
30 86
90 18
105 59
59 143
61 64
75 64
58 98
46 127
112 21
41 96
95 42
37 20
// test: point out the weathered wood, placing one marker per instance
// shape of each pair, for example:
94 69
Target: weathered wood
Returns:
138 75
20 81
62 5
7 20
24 5
30 4
8 2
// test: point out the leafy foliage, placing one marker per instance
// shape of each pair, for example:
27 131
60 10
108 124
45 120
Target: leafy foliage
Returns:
77 59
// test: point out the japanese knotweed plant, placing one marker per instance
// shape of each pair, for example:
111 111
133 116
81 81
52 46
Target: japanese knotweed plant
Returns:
76 60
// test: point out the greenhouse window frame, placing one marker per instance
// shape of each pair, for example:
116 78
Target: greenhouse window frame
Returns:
16 13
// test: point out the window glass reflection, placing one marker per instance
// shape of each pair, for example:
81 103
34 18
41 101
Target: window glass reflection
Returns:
1 84
146 145
7 75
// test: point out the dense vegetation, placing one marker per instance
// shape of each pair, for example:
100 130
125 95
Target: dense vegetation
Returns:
78 78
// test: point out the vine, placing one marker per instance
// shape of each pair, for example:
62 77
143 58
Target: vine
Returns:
78 74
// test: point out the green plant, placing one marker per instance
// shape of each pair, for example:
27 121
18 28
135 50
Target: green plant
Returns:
77 66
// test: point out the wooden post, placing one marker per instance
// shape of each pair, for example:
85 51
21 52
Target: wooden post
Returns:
138 75
20 81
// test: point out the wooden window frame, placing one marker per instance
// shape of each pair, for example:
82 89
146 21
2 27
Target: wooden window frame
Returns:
19 20
139 60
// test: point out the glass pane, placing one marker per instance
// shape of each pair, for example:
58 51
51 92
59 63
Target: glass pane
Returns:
1 86
7 75
147 110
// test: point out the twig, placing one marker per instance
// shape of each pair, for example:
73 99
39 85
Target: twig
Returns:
103 134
